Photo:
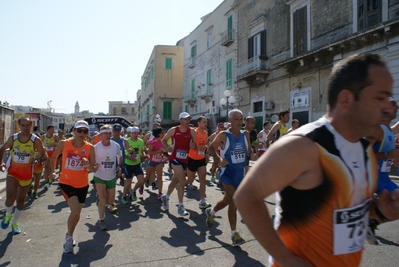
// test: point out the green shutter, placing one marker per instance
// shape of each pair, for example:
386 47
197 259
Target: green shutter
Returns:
230 27
192 89
229 74
208 81
168 63
186 108
167 110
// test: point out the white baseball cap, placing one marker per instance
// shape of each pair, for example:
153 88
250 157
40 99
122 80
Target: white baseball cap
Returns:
184 115
81 124
133 129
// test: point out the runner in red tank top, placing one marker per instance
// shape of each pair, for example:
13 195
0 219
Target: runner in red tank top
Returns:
182 140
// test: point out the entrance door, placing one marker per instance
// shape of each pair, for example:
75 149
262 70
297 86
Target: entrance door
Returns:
301 116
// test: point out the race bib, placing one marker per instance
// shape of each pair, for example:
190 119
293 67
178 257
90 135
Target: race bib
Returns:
181 154
108 165
156 158
74 162
201 152
350 228
21 157
386 165
49 148
237 156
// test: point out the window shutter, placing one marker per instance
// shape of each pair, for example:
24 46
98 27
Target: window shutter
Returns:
230 27
250 47
300 31
373 13
263 43
360 14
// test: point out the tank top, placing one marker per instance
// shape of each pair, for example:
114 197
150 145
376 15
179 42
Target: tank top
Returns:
200 141
387 144
48 143
21 158
97 139
121 144
181 141
235 151
73 172
263 140
156 145
137 147
337 208
280 132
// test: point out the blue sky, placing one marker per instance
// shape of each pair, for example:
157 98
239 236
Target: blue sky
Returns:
91 51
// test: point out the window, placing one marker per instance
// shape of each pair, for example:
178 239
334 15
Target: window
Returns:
258 106
229 73
193 53
167 110
208 80
300 31
209 40
192 96
147 110
230 27
369 13
151 109
132 110
124 111
168 63
114 111
186 108
257 45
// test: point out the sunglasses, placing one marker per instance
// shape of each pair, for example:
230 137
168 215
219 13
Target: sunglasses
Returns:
85 131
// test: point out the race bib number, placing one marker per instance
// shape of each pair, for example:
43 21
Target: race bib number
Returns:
237 156
181 154
201 152
386 165
156 158
74 162
49 148
108 165
22 158
350 228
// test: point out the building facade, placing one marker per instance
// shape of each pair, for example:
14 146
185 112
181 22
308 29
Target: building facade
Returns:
210 57
161 87
125 109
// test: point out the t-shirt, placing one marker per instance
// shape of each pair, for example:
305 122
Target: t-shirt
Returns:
137 147
107 158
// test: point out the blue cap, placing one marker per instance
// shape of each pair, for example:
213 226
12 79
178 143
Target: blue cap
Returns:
117 127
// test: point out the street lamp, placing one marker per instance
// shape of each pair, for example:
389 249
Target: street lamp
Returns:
224 102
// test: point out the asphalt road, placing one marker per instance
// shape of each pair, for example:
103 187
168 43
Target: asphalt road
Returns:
143 235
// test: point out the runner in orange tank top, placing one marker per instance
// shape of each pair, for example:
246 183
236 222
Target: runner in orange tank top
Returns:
78 158
197 159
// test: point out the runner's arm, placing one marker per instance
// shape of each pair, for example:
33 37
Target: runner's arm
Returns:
3 149
270 135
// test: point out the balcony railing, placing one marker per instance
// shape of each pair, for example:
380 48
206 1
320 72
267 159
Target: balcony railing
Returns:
191 62
227 37
256 63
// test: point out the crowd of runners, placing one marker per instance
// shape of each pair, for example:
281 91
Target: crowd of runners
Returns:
338 175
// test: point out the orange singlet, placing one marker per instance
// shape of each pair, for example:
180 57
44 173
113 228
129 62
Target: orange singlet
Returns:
200 141
73 172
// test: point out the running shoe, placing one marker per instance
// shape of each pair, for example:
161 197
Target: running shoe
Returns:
133 196
46 186
154 186
68 246
165 202
147 183
371 236
50 182
204 205
124 200
6 221
112 208
182 211
15 228
210 219
141 190
34 195
101 225
159 196
191 187
237 239
213 179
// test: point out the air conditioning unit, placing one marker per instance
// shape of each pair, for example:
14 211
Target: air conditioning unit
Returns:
269 105
215 110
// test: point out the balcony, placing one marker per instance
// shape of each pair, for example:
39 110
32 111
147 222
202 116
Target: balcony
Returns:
191 100
227 37
191 62
254 70
207 95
